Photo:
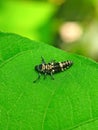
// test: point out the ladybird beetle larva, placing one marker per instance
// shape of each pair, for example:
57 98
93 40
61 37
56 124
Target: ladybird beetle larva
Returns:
51 68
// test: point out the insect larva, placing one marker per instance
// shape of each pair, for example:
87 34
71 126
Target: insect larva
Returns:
51 68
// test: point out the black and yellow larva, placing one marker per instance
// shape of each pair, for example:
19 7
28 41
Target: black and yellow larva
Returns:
51 68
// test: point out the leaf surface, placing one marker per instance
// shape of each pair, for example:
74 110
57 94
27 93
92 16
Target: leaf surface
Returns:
67 103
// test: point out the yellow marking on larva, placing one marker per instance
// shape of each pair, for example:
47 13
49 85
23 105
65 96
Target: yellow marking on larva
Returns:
49 67
43 67
52 63
52 70
61 65
46 67
67 62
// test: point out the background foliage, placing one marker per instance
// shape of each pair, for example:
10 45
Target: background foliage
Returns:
45 20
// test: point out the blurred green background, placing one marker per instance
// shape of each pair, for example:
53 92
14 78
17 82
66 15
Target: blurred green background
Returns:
71 25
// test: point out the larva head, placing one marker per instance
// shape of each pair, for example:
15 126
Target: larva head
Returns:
38 68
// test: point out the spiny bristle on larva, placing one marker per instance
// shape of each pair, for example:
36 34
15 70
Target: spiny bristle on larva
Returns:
69 63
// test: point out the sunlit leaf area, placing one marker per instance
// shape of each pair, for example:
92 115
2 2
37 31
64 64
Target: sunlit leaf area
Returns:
71 25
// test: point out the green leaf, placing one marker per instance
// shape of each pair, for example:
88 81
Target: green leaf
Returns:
67 103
